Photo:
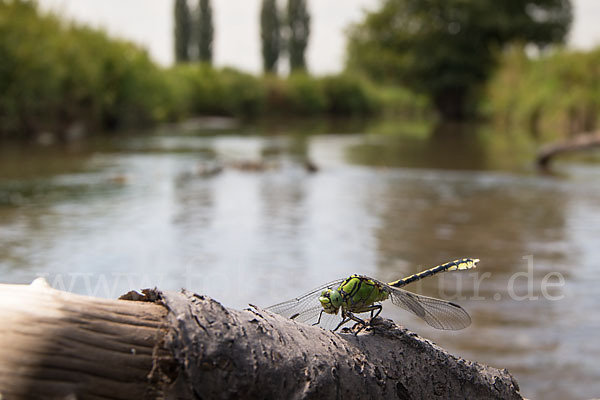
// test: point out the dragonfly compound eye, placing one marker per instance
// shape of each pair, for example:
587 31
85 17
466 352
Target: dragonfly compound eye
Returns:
330 300
336 298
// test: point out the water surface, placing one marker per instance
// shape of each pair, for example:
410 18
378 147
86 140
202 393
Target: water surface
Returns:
103 217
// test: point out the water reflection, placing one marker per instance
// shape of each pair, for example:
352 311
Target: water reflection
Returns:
447 146
107 217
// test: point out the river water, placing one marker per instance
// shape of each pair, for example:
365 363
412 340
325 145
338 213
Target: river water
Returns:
102 217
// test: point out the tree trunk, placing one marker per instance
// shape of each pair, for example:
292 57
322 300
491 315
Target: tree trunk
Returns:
451 104
185 346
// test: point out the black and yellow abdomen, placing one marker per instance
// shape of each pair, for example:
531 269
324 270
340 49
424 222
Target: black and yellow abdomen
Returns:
462 264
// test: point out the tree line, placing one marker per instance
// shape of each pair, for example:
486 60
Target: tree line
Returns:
460 58
282 32
449 49
64 78
446 50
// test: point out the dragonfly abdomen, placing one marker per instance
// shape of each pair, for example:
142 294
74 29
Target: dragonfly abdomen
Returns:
461 264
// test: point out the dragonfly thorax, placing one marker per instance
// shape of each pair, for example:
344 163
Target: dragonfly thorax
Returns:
356 294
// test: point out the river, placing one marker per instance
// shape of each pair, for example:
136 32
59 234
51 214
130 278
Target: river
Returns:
104 216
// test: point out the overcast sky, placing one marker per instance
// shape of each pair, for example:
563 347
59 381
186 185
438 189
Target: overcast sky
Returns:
150 23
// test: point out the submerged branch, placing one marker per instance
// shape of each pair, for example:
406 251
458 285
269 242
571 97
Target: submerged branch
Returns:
578 143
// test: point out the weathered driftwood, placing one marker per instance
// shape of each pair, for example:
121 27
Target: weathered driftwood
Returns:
181 345
578 143
60 345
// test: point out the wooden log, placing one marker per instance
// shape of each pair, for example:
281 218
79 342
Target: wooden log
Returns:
182 345
64 346
578 143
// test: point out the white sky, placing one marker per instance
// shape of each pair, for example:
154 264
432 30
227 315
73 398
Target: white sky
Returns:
237 43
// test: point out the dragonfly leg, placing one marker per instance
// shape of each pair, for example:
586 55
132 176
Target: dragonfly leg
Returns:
319 320
374 307
363 324
344 320
377 307
359 321
355 318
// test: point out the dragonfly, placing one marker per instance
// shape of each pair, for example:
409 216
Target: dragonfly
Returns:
358 294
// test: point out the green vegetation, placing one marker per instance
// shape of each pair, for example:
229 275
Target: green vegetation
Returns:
270 34
183 31
205 90
54 77
552 95
299 31
64 78
446 49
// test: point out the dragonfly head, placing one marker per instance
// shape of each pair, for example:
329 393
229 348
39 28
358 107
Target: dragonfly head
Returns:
331 300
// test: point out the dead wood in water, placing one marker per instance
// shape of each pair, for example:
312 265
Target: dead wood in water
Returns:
578 143
185 346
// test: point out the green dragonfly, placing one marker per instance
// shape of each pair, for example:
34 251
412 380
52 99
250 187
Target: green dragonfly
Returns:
360 294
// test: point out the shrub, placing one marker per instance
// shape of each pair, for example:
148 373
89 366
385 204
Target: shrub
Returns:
54 74
245 95
306 95
347 95
553 95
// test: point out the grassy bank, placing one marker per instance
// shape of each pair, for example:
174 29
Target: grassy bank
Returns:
55 75
64 78
553 96
202 89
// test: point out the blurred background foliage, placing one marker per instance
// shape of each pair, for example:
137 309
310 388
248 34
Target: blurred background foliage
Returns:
554 95
62 77
55 76
447 49
417 59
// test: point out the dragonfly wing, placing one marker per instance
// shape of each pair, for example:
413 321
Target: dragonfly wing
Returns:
306 308
313 314
440 314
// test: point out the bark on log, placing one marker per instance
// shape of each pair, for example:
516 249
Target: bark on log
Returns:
580 142
182 345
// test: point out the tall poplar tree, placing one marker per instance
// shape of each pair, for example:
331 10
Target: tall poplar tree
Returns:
183 31
299 32
205 31
270 33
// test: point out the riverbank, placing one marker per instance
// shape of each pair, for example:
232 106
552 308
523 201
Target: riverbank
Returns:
65 79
